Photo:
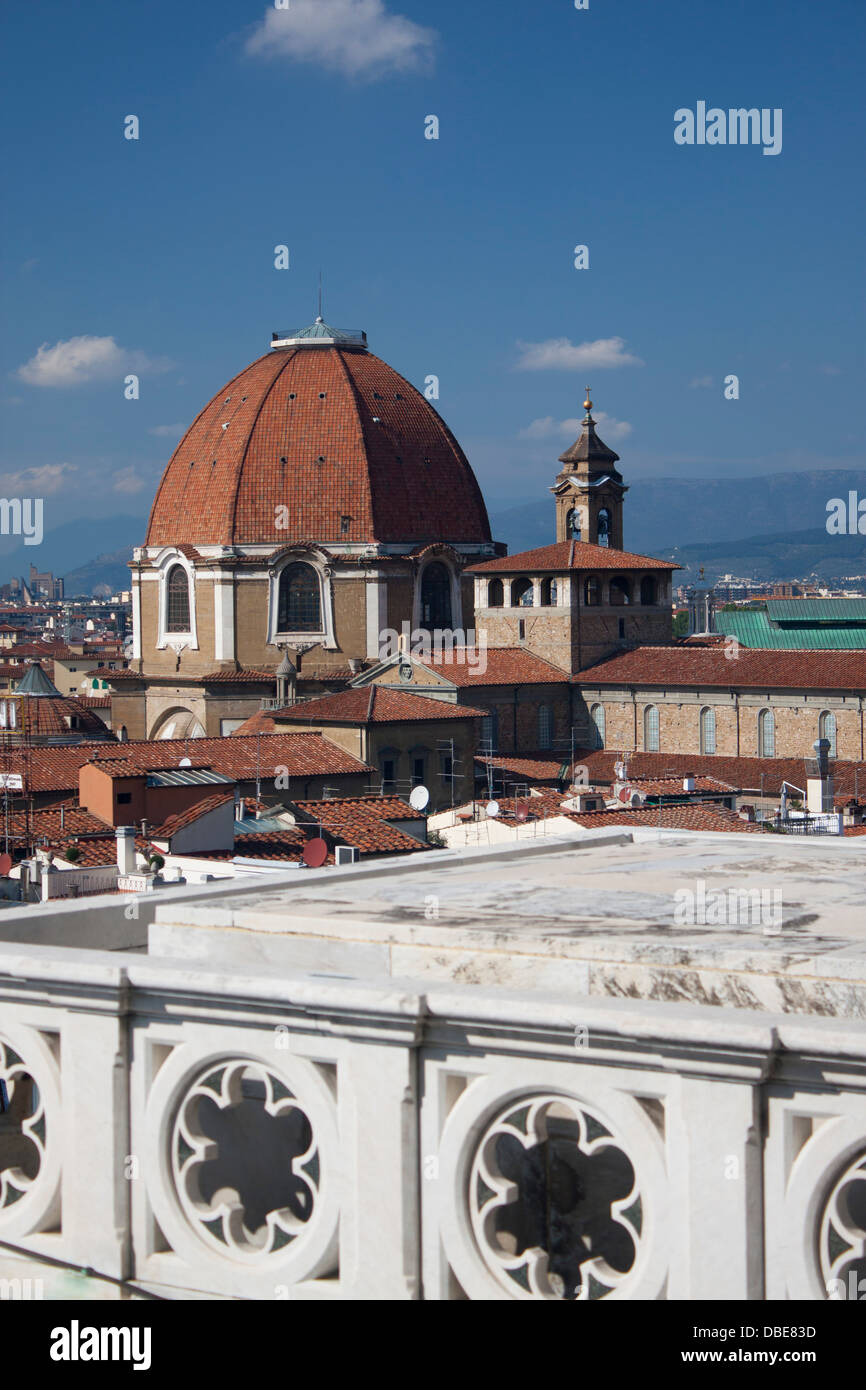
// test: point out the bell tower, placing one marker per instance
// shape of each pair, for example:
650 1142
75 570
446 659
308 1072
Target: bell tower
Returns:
589 490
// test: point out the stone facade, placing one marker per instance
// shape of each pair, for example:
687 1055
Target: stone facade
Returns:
571 632
438 755
796 719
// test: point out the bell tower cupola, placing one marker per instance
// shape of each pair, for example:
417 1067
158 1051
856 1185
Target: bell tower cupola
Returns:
589 490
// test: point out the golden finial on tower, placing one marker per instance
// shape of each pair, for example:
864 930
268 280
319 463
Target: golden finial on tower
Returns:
587 405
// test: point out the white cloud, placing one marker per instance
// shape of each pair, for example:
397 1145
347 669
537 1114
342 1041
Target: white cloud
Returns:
356 37
699 381
128 481
560 354
168 431
546 428
611 428
830 370
76 361
549 428
37 482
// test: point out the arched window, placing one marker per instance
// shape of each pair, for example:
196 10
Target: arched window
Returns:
545 726
766 734
597 716
177 600
299 606
603 527
548 593
521 593
436 597
651 729
494 593
708 730
572 524
620 591
591 595
648 590
827 729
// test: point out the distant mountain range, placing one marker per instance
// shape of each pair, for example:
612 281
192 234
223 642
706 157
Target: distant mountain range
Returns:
111 570
770 527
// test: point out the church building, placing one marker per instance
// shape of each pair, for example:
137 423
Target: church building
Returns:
315 502
584 597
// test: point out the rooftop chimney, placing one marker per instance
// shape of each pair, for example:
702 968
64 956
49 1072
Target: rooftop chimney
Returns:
125 836
819 788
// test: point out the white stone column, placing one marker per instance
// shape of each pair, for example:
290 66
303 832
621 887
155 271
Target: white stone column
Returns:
136 616
224 618
715 1154
377 614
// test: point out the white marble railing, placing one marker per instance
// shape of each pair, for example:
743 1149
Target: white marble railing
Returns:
318 1138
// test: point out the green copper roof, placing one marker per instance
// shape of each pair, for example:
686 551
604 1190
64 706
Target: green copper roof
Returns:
35 682
817 610
754 629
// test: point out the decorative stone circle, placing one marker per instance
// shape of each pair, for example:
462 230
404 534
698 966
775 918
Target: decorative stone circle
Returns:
554 1203
244 1160
842 1233
22 1129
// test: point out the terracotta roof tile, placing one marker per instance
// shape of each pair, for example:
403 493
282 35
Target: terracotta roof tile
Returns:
673 786
570 555
303 753
710 668
708 816
743 773
495 666
384 807
56 717
388 461
373 704
355 821
181 819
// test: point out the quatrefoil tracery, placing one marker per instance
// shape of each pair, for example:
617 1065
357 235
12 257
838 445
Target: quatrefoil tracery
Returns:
842 1237
554 1201
22 1129
245 1159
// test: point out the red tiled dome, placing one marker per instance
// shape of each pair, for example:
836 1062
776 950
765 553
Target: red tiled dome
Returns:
357 439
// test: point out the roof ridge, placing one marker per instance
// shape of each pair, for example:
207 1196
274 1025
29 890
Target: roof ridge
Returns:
240 471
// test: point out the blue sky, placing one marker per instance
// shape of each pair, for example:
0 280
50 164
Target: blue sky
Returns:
306 127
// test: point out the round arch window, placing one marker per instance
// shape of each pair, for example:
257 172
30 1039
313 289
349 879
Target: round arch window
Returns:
299 604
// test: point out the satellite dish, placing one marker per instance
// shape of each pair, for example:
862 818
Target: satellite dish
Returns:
492 809
185 762
625 794
315 852
5 864
418 798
